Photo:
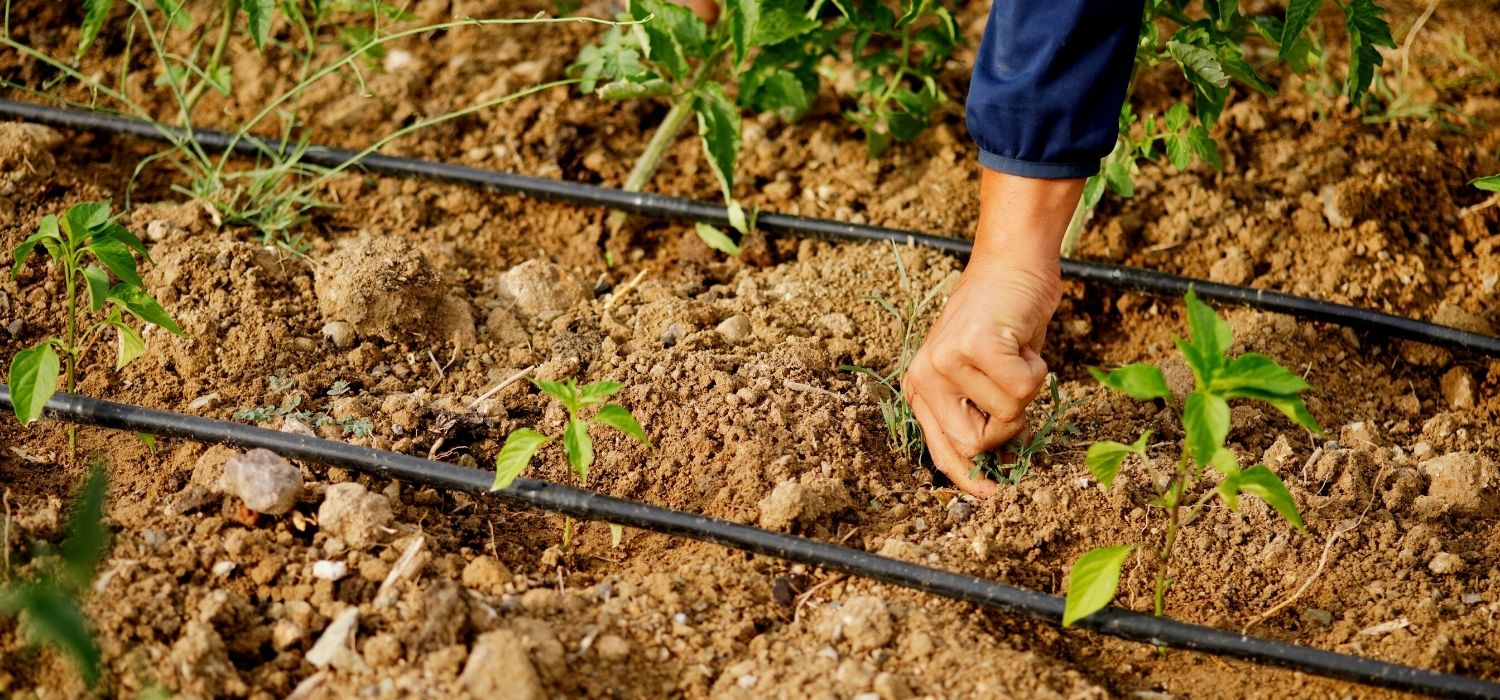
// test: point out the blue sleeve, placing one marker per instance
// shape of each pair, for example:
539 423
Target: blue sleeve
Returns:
1045 97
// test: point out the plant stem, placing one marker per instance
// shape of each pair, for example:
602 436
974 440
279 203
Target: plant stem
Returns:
656 149
70 287
1081 214
226 31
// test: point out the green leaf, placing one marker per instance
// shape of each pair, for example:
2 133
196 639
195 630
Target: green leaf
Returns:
1177 116
258 20
33 380
142 306
124 236
1139 381
1229 490
1265 485
675 34
516 455
1104 458
87 537
566 392
619 418
1367 30
1211 338
1204 146
719 129
54 618
1253 370
779 21
1199 62
1488 184
174 13
1232 58
117 257
95 12
148 440
130 346
771 88
1290 406
590 394
1093 582
1298 14
81 219
1205 424
715 238
47 234
1179 152
1117 175
580 448
98 284
630 89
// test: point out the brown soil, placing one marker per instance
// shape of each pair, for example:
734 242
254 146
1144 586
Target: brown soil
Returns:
732 366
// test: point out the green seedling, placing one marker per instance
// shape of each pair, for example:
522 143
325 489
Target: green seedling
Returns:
522 444
49 597
1209 46
771 57
96 256
291 407
1027 449
901 424
1204 414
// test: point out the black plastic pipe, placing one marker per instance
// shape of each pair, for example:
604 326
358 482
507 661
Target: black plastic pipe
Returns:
579 503
662 206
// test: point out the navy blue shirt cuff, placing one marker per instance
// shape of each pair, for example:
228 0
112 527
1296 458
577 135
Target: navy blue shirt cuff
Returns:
1045 171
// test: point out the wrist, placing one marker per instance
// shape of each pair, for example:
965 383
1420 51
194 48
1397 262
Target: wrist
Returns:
1022 221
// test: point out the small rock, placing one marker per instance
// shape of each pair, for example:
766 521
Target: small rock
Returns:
1472 598
1322 617
329 570
263 480
498 666
735 329
486 574
383 650
1445 563
285 634
1458 389
355 515
792 502
1454 316
959 510
1234 268
672 335
340 333
612 648
296 427
1278 457
1361 435
222 568
537 286
1462 483
866 622
889 686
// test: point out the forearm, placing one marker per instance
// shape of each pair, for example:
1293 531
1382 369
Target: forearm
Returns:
1022 220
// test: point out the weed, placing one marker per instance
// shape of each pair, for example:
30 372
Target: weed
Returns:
771 55
1204 415
1027 449
49 597
1210 49
291 408
98 254
522 444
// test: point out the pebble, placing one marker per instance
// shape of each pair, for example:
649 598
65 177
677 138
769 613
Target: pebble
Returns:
340 333
866 622
329 570
1472 598
959 510
499 666
222 568
263 480
612 648
735 329
890 686
1458 389
285 634
672 335
353 514
1445 563
486 574
538 286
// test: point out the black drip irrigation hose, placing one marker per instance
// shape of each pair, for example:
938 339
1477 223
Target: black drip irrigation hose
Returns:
1113 621
662 206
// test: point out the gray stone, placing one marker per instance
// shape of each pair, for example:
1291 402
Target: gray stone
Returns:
263 480
353 514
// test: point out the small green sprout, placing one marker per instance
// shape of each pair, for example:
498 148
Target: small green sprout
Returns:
97 255
1027 449
1218 378
50 596
291 408
522 444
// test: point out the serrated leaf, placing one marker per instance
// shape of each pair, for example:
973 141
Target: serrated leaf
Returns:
33 380
619 418
1233 60
258 14
590 394
520 446
1204 146
580 448
1256 371
130 345
1265 485
1139 381
95 12
1367 29
1177 117
715 238
1298 14
1488 184
87 537
140 304
674 32
1093 582
1179 152
98 283
1205 425
719 130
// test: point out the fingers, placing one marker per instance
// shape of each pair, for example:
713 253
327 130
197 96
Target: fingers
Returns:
946 458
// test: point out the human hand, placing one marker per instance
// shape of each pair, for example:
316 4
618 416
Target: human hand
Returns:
981 364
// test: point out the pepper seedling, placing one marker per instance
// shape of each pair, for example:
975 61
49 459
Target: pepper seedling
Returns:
522 444
1204 414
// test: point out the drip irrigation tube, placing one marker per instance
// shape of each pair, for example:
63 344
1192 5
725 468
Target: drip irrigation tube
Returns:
662 206
1134 626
